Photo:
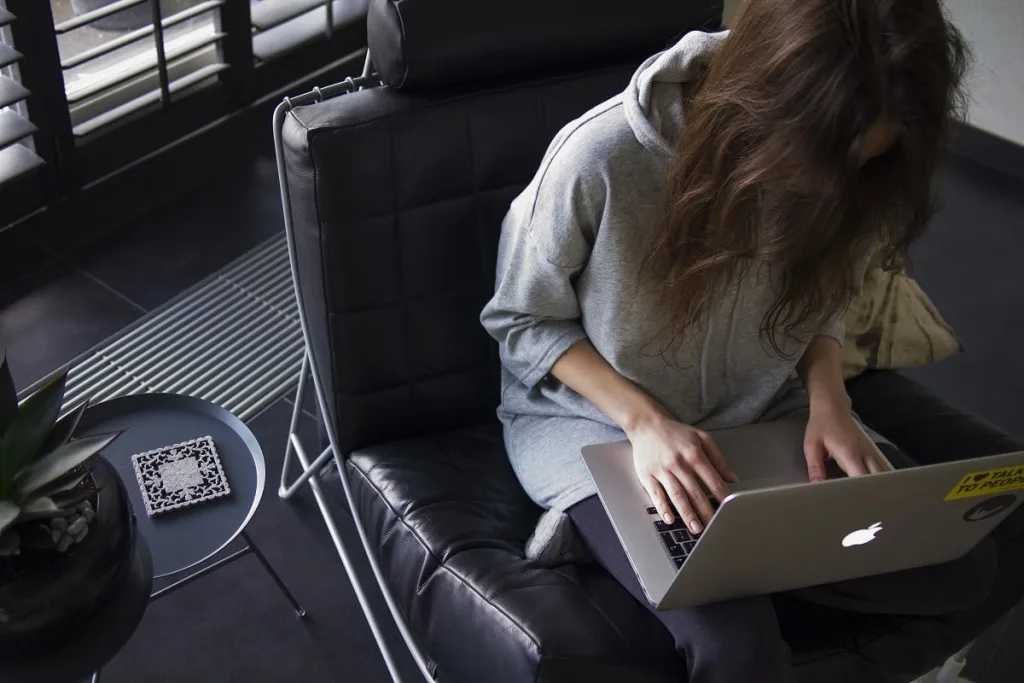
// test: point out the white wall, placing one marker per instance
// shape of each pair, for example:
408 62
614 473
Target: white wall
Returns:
995 30
730 11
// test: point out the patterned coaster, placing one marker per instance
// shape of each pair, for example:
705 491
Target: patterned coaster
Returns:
180 475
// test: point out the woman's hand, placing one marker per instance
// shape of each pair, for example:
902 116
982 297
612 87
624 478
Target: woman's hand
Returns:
833 433
831 429
671 460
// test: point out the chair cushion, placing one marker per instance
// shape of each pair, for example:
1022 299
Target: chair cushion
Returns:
450 522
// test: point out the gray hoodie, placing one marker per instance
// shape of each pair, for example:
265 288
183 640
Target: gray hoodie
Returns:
572 246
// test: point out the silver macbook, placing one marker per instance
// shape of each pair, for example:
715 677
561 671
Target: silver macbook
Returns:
777 531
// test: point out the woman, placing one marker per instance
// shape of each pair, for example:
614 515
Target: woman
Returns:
682 261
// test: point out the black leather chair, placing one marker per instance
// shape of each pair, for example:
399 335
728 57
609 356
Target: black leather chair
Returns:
394 196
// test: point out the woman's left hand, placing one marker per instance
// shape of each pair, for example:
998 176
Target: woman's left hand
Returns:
833 433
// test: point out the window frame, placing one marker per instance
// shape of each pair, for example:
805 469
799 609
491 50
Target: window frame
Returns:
75 167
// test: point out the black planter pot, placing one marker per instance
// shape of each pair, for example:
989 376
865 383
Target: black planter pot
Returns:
50 600
131 18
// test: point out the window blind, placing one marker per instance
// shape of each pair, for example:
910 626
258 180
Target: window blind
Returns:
134 68
280 26
17 149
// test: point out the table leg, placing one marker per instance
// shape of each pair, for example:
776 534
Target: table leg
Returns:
95 678
299 609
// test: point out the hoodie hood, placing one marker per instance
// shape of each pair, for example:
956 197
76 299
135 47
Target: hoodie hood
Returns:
653 101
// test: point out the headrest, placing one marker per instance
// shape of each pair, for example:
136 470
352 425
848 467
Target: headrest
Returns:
416 44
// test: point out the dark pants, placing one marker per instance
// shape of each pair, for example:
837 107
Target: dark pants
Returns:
740 641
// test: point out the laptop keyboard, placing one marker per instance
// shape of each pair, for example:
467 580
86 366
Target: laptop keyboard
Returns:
676 538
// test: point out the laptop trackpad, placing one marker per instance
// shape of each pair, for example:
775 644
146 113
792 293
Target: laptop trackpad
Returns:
764 483
832 470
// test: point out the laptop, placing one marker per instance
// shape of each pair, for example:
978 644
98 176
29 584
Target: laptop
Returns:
776 531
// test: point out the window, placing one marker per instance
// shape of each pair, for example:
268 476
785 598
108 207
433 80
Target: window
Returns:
115 64
280 26
122 56
147 85
17 148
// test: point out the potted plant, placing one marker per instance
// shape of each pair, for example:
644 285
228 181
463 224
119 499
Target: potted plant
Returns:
67 534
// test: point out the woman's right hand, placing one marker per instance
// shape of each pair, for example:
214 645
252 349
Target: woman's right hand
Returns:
671 460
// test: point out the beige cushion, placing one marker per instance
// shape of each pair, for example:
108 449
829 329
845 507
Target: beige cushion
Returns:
892 324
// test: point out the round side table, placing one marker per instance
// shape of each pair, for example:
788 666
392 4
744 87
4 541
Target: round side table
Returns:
185 538
99 637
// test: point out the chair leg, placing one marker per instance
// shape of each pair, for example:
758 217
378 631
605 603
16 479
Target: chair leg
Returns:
294 446
310 474
357 587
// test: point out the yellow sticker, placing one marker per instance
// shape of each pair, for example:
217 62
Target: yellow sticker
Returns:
988 482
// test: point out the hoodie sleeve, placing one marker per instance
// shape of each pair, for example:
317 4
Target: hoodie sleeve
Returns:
835 327
545 244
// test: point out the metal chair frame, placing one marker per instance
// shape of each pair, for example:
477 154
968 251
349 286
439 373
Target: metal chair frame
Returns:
294 448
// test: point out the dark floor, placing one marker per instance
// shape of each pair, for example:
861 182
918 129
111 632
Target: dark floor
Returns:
234 625
54 308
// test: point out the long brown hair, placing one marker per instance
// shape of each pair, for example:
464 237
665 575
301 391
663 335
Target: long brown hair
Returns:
767 170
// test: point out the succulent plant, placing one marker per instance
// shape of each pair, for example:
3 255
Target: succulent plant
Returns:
40 464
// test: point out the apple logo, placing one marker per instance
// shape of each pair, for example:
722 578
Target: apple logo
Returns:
862 536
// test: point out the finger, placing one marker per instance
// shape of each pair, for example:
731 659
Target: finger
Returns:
659 499
715 457
851 463
874 463
712 480
681 501
696 494
676 493
814 453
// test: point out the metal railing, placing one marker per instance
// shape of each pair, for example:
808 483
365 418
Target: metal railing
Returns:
234 340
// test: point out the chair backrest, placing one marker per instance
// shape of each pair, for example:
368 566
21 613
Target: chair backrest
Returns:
397 201
397 205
